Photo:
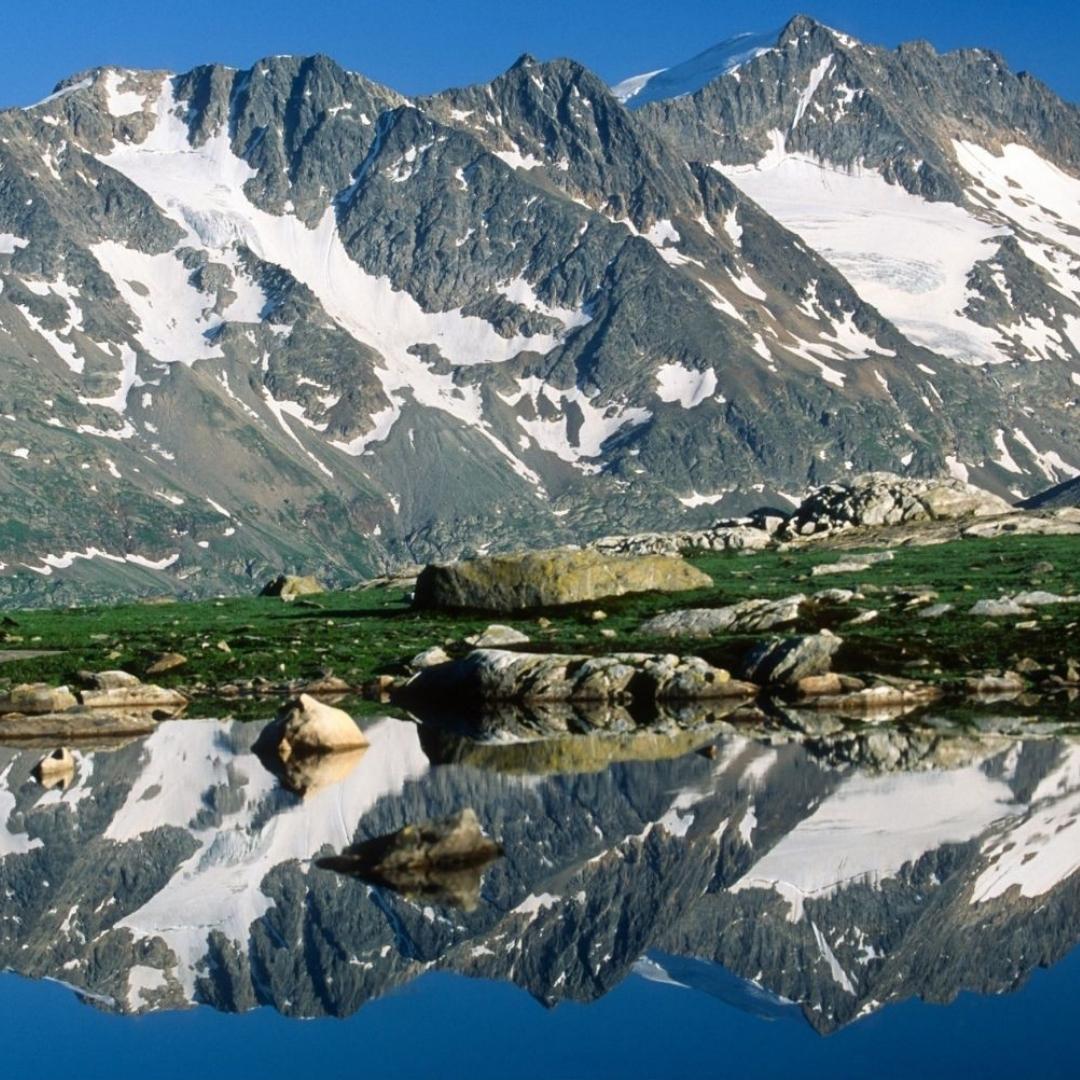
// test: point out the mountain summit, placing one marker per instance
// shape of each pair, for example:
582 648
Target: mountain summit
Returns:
287 318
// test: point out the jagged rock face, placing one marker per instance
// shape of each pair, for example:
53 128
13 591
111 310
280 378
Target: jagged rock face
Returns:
283 319
174 870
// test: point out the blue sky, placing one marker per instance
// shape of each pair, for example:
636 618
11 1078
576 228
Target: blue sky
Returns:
424 45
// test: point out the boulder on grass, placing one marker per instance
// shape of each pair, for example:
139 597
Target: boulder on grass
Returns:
290 586
540 579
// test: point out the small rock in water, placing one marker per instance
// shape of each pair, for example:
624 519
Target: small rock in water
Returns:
55 768
306 726
441 861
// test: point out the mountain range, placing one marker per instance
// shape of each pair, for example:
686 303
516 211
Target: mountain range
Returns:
286 318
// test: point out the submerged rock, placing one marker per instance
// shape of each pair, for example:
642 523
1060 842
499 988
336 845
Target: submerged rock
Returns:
440 861
539 579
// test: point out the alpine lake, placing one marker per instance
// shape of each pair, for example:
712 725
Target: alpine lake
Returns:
785 893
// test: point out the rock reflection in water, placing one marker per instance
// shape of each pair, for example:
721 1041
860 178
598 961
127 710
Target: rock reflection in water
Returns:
836 870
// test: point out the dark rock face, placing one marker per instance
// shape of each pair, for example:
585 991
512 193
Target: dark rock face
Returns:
516 314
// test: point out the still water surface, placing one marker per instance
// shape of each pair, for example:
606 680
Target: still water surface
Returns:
881 904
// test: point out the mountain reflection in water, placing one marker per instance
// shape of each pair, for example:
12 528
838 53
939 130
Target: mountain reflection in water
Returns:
822 878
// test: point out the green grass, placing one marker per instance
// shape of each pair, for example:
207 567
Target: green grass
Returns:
357 634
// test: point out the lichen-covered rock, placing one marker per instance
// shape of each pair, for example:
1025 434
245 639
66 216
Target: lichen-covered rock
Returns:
539 579
746 616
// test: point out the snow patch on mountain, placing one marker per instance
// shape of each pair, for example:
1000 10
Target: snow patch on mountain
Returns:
908 257
871 827
691 75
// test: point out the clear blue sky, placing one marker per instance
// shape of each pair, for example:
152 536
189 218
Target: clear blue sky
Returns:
425 45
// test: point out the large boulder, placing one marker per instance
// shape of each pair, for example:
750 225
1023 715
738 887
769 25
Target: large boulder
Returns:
290 586
885 499
747 616
540 579
786 662
306 726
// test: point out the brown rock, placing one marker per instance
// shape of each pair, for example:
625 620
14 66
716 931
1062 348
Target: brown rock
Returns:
307 726
815 685
55 768
169 661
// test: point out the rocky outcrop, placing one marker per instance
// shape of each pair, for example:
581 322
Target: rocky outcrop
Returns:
875 499
541 579
307 726
290 586
1056 523
746 616
785 662
440 861
743 535
493 675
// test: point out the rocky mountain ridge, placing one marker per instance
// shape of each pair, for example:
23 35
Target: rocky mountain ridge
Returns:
284 317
